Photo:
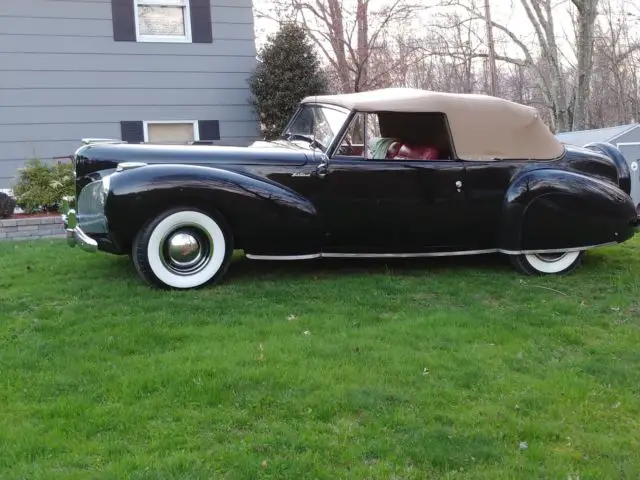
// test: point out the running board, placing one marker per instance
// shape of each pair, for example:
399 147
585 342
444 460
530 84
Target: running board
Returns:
315 256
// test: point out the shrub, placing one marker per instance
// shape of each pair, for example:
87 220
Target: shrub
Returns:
7 205
41 187
288 71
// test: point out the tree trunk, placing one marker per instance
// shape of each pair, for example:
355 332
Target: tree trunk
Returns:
587 14
362 21
338 43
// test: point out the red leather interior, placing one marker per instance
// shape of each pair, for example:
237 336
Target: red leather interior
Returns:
403 151
356 150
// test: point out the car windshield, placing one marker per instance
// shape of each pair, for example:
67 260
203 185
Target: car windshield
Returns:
316 125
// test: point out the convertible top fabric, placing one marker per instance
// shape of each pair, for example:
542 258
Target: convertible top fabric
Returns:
482 127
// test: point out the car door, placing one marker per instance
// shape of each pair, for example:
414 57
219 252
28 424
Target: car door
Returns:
374 202
382 205
393 206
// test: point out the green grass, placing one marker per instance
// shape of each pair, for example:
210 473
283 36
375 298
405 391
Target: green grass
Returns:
320 370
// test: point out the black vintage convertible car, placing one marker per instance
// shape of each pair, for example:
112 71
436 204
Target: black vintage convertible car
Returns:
385 173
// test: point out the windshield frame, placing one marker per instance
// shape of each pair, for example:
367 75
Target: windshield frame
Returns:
323 106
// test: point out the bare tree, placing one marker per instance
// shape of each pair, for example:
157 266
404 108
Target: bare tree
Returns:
594 82
349 35
584 46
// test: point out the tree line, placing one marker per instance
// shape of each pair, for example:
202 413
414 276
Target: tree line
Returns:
585 76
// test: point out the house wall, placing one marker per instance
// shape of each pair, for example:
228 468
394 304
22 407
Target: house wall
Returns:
64 77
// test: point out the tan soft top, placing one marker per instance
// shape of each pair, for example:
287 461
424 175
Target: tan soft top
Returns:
482 127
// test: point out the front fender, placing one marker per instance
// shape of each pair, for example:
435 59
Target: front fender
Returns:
555 209
263 216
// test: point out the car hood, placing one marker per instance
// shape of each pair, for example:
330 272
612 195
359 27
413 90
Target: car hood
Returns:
101 156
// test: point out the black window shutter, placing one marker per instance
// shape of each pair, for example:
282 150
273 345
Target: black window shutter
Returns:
132 132
201 29
124 21
209 130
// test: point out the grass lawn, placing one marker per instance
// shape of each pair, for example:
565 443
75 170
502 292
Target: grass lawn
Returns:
449 368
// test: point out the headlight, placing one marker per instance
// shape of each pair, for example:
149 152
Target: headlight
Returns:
90 206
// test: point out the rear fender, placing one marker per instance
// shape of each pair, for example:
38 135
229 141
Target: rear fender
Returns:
263 216
616 156
554 209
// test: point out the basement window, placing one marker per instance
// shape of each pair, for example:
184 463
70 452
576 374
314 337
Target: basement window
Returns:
163 21
171 132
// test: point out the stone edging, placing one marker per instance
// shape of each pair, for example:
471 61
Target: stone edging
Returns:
31 228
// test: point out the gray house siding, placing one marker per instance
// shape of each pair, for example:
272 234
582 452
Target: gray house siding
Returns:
64 77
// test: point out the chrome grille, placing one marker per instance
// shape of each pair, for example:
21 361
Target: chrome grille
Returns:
90 207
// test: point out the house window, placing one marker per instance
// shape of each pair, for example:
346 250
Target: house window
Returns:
171 132
178 21
163 20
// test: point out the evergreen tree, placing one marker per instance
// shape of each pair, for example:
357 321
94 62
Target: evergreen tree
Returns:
288 70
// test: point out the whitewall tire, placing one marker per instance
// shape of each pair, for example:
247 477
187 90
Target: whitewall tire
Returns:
183 248
560 263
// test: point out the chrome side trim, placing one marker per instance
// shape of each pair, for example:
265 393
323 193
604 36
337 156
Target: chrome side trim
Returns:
91 141
407 255
421 255
129 166
284 257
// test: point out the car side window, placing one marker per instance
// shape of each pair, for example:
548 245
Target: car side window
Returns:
353 142
389 136
412 136
362 133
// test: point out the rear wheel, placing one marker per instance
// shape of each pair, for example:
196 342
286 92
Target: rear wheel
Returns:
560 263
182 249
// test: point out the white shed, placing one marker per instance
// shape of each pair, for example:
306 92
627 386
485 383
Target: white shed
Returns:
625 137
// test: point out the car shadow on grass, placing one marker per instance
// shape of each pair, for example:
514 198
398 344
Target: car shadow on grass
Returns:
243 268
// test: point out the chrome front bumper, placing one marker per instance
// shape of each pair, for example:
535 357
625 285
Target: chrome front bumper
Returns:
75 235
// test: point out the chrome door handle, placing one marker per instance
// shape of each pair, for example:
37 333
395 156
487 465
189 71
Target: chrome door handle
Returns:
459 185
321 171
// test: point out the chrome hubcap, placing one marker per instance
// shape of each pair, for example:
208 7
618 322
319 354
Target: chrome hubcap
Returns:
186 250
551 257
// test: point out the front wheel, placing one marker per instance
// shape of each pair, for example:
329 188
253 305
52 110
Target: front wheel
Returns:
182 249
561 263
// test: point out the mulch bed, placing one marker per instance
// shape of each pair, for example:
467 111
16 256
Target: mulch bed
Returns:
28 215
16 216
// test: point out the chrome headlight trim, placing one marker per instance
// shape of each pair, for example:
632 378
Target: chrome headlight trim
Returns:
106 186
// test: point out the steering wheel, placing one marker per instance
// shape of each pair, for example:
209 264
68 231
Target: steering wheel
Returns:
312 141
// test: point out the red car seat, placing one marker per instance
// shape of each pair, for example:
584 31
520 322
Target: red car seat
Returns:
403 151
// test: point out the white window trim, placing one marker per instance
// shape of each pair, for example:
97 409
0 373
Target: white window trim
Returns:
186 4
194 123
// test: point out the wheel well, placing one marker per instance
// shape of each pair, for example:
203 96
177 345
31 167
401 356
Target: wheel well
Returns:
183 202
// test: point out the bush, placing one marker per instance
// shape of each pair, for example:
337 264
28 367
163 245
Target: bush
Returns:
41 187
7 205
288 71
